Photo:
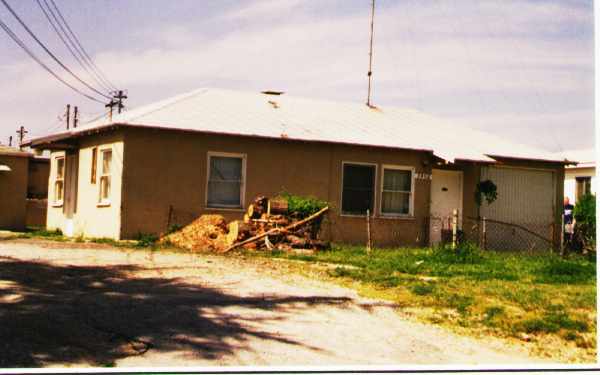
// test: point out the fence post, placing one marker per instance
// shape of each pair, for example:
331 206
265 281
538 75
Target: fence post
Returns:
454 225
368 232
483 227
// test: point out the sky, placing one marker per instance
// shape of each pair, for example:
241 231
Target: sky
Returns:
520 69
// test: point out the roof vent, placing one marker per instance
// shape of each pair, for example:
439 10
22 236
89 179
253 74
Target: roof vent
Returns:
269 92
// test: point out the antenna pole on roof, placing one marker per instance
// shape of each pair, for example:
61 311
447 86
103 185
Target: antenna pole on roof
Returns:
370 73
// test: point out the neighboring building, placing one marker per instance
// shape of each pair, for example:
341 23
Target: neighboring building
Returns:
23 175
212 151
580 179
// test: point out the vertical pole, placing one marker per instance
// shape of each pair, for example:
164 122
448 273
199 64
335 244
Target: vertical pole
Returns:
68 115
75 117
10 141
562 235
370 72
454 225
483 241
368 231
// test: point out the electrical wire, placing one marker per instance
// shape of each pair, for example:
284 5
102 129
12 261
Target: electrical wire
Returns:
68 44
39 42
91 63
19 42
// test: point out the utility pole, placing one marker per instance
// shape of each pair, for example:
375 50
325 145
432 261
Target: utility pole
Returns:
75 117
370 73
10 141
110 106
21 132
120 96
68 115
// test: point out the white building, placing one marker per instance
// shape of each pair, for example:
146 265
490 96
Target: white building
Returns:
581 178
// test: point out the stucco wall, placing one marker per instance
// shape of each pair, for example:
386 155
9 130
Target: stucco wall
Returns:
91 219
168 169
570 184
13 192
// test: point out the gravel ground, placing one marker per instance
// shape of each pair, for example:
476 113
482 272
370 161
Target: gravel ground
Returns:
70 304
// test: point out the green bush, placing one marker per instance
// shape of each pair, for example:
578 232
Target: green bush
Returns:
302 206
146 240
464 253
585 222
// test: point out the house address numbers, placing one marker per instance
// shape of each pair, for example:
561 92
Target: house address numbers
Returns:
422 176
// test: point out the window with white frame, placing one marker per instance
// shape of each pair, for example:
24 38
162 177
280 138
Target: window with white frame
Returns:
358 188
225 180
59 180
105 177
396 190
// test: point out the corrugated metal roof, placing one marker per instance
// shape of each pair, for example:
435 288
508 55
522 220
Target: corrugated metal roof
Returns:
289 117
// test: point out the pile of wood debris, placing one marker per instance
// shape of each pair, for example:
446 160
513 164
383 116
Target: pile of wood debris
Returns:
267 224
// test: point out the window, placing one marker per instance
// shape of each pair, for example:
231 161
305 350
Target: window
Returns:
59 181
584 186
94 164
225 180
105 177
396 191
358 188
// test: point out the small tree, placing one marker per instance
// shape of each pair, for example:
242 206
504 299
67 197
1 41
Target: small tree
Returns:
486 189
585 223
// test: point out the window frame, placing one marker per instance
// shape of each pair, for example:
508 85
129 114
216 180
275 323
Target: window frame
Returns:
584 182
242 204
59 203
105 202
375 177
94 171
411 199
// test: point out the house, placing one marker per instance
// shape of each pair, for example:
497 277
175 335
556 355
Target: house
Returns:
212 151
23 188
580 179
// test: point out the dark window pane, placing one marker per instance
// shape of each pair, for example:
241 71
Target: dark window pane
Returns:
225 180
358 188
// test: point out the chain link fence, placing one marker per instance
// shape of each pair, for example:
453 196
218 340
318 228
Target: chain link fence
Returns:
493 234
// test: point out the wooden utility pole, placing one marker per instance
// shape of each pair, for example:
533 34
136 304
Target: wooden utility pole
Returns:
75 117
68 115
21 132
370 73
120 96
10 141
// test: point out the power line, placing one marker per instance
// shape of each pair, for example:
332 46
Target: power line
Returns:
49 52
91 63
19 42
68 44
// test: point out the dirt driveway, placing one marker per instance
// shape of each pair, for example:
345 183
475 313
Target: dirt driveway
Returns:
68 304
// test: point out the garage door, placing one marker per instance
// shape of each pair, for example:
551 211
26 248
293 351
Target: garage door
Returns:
526 199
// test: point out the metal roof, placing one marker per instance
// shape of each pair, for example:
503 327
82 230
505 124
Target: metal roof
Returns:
585 158
288 117
13 151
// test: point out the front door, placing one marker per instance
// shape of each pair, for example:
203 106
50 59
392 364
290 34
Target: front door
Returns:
446 196
70 198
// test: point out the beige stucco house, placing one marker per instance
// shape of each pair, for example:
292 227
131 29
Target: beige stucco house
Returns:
212 151
23 179
580 178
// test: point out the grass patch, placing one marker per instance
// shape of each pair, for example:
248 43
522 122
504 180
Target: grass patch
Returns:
507 294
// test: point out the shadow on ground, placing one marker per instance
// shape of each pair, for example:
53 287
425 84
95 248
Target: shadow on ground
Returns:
53 314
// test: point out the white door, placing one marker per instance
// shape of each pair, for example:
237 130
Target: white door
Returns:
446 196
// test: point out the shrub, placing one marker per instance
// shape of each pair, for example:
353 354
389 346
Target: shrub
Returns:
146 240
464 253
585 222
302 206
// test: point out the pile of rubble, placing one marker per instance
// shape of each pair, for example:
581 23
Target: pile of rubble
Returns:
267 224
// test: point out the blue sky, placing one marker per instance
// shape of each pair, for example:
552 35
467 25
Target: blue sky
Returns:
521 69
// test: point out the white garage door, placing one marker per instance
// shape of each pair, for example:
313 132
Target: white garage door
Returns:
526 198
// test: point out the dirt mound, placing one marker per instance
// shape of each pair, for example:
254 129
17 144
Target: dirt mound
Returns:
207 233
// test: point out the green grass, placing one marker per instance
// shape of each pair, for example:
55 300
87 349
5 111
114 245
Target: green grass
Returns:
508 293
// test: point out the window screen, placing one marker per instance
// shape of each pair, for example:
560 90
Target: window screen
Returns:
358 189
396 191
225 181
